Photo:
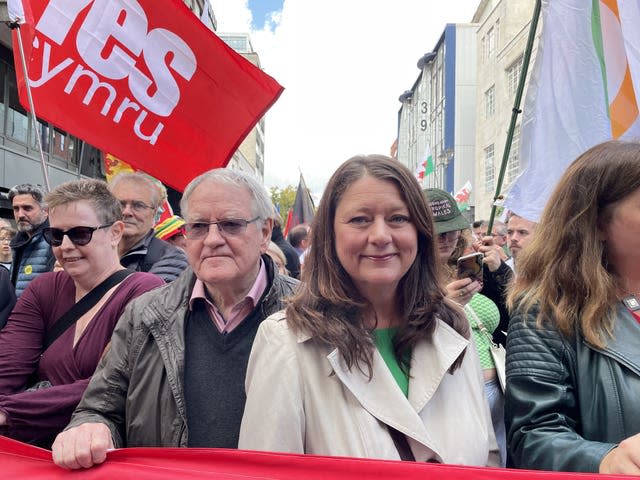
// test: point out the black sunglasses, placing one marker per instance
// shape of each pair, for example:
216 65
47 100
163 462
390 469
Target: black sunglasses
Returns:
78 235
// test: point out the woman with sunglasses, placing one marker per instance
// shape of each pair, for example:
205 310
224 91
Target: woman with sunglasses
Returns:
40 386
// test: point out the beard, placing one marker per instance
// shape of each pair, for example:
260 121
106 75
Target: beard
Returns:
25 226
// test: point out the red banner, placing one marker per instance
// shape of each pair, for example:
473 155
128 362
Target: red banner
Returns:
19 461
144 80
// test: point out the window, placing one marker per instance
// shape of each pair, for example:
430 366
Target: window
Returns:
488 169
17 120
490 102
63 147
513 76
490 46
513 165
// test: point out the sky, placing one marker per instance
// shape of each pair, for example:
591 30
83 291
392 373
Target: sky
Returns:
343 64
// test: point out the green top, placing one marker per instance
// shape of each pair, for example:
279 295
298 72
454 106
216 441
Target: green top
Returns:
384 342
489 315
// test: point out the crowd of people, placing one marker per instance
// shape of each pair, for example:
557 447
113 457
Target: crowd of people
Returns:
374 332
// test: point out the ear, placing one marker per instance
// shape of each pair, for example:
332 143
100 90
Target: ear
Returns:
117 230
267 227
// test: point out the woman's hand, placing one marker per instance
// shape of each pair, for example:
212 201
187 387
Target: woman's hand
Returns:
3 419
461 291
624 459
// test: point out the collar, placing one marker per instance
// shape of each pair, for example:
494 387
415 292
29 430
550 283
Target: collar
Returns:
253 295
142 246
21 238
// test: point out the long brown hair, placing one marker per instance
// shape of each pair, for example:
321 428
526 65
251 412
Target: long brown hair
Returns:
329 307
564 270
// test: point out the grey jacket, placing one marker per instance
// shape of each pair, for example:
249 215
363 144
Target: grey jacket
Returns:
155 256
569 403
31 257
137 390
317 405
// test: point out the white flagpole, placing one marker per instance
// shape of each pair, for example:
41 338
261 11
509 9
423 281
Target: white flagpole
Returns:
45 173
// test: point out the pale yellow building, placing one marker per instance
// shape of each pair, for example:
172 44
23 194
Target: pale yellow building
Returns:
501 41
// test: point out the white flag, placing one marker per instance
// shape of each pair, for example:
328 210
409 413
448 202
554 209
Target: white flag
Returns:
16 11
583 90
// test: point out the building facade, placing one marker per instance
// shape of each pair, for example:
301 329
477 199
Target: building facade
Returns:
501 41
437 115
250 153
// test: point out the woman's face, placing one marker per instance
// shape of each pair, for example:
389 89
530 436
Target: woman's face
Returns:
446 244
5 248
99 255
375 238
622 234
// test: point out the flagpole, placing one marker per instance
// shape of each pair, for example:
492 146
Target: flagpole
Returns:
16 26
516 110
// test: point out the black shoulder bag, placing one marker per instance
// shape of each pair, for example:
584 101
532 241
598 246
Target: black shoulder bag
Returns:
83 306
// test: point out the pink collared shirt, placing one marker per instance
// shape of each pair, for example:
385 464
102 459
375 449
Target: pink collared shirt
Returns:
240 311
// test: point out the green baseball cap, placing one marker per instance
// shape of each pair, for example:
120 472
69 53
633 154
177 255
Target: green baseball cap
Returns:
446 214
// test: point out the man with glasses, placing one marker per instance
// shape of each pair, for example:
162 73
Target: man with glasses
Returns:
174 375
32 255
140 250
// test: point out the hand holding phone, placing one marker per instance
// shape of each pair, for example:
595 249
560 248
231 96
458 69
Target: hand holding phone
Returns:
470 266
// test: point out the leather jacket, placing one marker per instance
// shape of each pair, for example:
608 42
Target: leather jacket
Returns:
568 403
137 390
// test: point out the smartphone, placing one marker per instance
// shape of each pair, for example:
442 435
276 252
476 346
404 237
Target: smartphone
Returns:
470 266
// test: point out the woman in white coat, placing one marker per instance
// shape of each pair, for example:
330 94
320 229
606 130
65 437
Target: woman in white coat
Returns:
370 359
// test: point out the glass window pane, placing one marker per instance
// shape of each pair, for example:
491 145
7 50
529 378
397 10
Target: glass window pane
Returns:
43 132
63 146
17 120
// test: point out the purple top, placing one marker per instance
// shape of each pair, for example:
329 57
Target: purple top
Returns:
39 415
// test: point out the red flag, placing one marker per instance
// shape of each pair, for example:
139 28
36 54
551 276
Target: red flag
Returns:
20 461
144 80
288 225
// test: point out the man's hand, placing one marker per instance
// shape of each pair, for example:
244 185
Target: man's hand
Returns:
624 459
82 446
491 253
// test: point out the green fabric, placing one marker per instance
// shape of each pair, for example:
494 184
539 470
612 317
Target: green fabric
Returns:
384 342
489 315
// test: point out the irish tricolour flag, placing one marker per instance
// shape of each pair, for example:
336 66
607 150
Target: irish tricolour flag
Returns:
583 90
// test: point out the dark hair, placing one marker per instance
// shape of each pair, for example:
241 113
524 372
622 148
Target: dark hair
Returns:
564 269
96 192
329 307
297 235
36 191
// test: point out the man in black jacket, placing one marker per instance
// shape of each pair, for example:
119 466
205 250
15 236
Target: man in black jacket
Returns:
32 255
140 198
293 262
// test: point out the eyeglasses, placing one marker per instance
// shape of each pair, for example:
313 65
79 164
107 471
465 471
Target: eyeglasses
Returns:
226 227
3 240
136 205
448 235
78 235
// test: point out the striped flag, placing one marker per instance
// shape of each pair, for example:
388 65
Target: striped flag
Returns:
583 90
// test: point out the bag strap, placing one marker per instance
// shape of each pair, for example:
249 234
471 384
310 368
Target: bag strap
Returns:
474 316
402 445
83 306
